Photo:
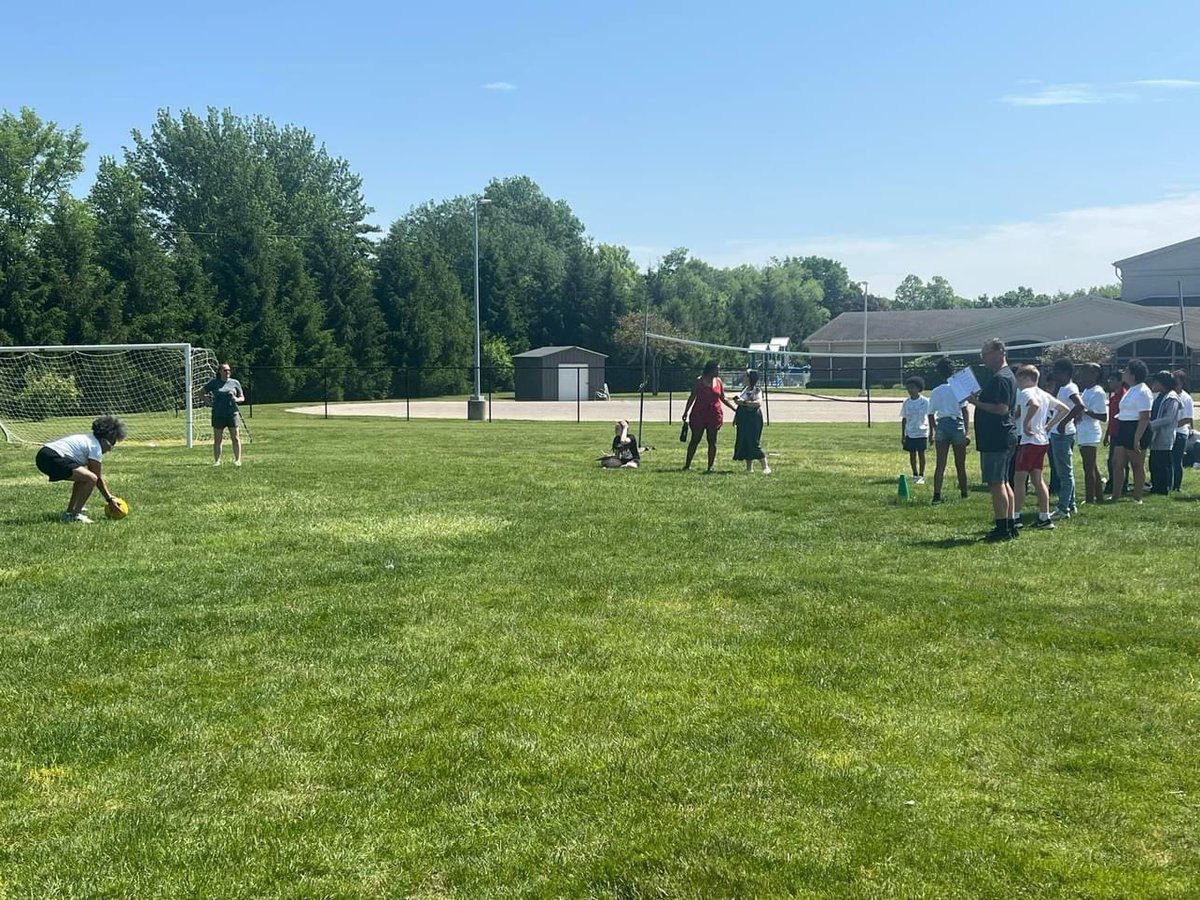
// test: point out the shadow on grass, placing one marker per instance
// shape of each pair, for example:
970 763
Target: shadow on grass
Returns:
949 543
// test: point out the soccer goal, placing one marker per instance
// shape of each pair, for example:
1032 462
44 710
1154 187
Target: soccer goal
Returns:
47 392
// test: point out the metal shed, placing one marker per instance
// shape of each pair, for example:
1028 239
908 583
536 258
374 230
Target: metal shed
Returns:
558 373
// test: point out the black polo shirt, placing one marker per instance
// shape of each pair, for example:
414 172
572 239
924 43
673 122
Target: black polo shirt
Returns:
995 433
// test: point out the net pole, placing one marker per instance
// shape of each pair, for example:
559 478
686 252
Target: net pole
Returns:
187 394
867 382
642 387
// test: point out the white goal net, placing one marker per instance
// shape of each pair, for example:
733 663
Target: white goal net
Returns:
49 392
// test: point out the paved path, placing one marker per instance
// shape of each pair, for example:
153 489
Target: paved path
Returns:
791 408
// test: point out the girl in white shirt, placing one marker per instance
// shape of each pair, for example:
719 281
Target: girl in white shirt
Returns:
1184 431
748 420
1090 430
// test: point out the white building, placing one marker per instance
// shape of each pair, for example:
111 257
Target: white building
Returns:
1154 278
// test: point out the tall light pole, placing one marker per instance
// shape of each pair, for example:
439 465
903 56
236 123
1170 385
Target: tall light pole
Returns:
863 392
476 407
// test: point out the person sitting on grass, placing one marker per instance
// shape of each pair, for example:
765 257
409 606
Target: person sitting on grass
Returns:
77 458
916 421
1040 412
624 450
952 420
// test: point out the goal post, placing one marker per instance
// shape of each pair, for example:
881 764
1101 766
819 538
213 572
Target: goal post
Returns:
49 391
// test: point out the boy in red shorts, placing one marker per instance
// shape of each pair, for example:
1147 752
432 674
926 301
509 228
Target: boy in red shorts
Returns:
1039 413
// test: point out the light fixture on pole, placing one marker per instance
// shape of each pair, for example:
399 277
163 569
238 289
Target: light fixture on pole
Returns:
863 392
476 406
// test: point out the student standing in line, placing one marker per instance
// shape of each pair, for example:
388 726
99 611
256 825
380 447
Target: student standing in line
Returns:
1040 413
1133 417
1088 432
1062 438
1184 431
916 422
952 419
1164 419
1116 392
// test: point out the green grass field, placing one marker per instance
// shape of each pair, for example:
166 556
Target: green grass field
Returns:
455 660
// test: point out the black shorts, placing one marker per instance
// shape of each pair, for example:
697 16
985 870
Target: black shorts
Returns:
1126 432
55 466
225 420
916 444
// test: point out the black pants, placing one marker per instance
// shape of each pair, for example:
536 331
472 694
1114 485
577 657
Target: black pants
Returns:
1108 485
1160 471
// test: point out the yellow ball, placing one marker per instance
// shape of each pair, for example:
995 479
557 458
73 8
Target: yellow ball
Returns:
121 511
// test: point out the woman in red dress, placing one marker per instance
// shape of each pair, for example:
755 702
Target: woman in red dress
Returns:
706 415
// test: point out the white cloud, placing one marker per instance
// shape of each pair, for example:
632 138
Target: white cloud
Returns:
499 86
1062 251
1180 83
1068 95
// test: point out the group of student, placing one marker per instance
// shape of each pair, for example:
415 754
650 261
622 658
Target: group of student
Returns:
1023 418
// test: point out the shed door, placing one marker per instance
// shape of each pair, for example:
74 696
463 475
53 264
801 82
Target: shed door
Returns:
572 381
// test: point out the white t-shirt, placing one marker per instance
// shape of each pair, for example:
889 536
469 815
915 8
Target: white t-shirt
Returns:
1189 408
1065 393
751 394
1091 430
78 448
915 413
944 404
1036 431
1137 399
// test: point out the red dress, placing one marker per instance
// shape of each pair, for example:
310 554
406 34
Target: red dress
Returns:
706 411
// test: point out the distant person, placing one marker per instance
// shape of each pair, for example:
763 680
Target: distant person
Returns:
1164 419
1090 429
1116 393
916 423
1062 438
748 422
1133 418
703 413
624 450
996 437
1040 412
952 419
78 458
226 394
1183 433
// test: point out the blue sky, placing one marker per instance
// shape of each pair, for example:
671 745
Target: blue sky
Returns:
1025 143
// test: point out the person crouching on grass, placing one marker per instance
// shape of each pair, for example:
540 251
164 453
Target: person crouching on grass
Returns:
77 458
1039 413
916 422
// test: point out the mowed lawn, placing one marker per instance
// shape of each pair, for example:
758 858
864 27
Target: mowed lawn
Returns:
456 660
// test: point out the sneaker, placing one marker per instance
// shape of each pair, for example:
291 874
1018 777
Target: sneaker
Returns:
1059 514
1074 510
1018 525
920 479
766 470
936 501
995 536
79 518
216 463
1044 525
237 463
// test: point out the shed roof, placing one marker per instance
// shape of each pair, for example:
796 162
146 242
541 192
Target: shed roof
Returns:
1158 251
550 351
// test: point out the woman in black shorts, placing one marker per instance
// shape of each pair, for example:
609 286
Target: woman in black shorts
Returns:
1133 418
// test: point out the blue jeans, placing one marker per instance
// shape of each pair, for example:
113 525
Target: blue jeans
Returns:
1062 449
1177 452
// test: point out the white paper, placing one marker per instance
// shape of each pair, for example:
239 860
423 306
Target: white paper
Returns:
964 384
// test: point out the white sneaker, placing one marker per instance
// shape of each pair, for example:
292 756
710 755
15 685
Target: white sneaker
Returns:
920 479
1058 515
766 470
79 518
237 463
216 462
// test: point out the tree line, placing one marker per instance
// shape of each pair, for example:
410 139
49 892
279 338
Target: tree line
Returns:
234 233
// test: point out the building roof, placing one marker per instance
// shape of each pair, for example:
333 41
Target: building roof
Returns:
908 325
550 351
1170 248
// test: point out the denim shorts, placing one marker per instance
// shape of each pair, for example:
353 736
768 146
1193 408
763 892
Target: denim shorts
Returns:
951 431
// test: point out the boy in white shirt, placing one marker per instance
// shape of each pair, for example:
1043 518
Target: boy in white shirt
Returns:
1090 429
1062 438
1039 413
916 422
1184 432
952 423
